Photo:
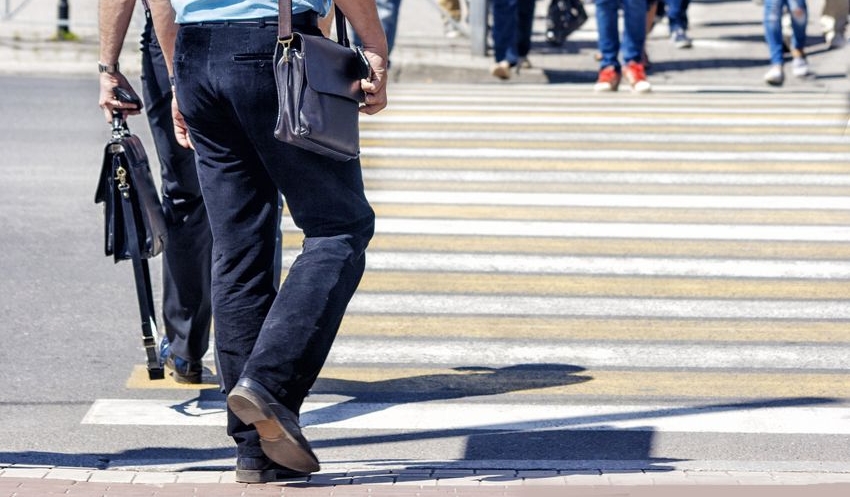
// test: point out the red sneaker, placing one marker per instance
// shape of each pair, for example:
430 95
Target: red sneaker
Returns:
609 79
636 75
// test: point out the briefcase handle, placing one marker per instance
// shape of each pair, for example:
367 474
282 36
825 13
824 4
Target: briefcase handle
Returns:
119 124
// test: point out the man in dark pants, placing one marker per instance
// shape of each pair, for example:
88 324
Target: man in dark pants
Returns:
272 341
187 257
512 25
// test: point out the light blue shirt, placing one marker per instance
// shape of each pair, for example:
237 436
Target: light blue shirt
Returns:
222 10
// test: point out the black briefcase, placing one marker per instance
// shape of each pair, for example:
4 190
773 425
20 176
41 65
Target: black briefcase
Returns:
134 224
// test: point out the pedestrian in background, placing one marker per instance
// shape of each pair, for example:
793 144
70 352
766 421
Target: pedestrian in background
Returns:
834 22
512 29
271 344
632 46
186 260
451 17
773 35
677 16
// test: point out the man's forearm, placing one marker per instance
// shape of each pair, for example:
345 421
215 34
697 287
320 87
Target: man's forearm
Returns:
166 29
113 23
363 16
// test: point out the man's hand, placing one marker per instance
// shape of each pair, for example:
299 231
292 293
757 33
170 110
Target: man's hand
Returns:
375 87
363 16
108 101
181 131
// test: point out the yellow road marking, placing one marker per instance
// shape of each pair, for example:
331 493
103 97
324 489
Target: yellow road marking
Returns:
139 379
564 381
604 286
614 214
608 247
637 329
612 188
554 380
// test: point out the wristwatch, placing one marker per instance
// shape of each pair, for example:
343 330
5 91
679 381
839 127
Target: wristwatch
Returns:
107 68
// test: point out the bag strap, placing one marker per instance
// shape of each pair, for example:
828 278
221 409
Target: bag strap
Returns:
284 24
142 276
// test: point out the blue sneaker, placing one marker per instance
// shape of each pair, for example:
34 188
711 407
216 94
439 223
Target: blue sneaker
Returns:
182 371
680 38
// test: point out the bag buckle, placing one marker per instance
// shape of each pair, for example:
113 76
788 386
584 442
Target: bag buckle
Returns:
285 43
123 186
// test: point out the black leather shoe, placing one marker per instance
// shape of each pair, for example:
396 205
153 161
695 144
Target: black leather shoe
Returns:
280 434
263 470
182 371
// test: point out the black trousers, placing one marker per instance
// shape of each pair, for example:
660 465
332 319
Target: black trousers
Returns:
279 337
186 263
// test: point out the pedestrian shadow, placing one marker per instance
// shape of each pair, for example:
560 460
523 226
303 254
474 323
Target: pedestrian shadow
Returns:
691 64
561 446
150 456
731 24
467 381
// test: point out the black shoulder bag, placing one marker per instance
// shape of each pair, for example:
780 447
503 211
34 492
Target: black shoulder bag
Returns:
318 89
562 18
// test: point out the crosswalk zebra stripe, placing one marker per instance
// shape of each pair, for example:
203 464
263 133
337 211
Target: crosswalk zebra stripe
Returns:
598 247
565 164
572 103
463 176
602 214
674 102
543 199
597 285
574 154
589 328
502 353
520 305
597 137
589 265
615 121
731 418
613 230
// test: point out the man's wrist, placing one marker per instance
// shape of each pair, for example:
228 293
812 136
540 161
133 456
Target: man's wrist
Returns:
107 68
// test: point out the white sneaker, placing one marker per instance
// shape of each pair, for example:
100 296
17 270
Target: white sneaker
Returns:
501 70
775 76
799 67
835 41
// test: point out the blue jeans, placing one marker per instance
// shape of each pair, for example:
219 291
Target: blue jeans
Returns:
512 23
677 13
279 338
773 26
505 31
186 260
634 32
388 14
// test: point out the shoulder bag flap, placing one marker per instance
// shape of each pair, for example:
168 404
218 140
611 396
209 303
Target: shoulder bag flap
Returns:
330 67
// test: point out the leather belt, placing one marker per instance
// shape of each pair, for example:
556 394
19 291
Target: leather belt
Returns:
307 18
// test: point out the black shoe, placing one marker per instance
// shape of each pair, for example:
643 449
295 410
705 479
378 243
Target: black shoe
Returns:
280 434
263 470
182 371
